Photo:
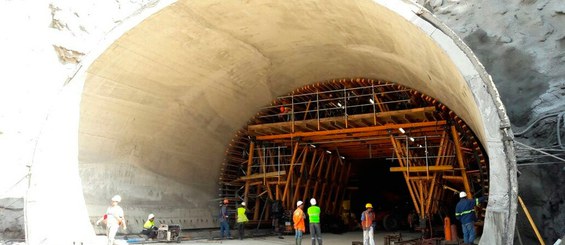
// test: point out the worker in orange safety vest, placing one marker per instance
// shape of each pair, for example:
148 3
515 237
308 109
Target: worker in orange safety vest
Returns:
367 218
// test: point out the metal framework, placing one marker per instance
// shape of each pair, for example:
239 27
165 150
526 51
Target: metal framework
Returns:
304 145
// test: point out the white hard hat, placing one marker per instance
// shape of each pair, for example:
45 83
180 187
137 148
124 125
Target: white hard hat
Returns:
242 203
462 194
299 203
312 201
151 216
117 198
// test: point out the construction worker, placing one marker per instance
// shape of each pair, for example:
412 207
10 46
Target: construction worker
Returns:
465 213
149 228
114 217
224 224
298 219
367 218
314 218
241 220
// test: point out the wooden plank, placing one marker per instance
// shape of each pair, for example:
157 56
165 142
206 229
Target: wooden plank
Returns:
415 169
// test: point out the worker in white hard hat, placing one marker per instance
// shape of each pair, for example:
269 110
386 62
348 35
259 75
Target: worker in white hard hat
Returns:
465 213
314 218
241 220
149 227
367 218
114 218
298 219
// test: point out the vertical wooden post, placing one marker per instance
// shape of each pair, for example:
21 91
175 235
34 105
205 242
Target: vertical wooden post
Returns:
257 204
318 177
249 168
326 179
311 174
459 154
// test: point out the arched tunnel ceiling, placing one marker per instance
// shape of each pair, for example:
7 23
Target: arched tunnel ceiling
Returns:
170 93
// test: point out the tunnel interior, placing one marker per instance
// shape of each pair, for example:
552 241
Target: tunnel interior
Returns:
347 142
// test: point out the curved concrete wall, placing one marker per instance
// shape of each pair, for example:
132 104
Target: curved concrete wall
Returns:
163 100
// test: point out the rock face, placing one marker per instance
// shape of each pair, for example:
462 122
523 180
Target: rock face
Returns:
522 46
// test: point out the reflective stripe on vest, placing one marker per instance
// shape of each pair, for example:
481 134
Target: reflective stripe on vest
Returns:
465 212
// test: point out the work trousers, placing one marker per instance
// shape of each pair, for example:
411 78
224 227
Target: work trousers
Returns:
368 236
298 237
224 229
111 231
241 230
316 233
468 233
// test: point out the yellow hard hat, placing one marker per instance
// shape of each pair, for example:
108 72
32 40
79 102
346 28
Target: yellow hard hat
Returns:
368 205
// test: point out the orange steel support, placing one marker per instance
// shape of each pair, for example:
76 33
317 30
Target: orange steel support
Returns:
249 165
460 161
350 130
397 148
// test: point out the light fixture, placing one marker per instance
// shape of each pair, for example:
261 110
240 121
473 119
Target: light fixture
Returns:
420 146
338 104
312 145
329 152
401 130
412 139
342 157
372 101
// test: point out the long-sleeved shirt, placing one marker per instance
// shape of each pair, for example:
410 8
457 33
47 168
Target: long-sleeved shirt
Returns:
298 218
465 209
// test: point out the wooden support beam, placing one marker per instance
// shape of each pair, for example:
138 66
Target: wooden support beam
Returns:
415 169
318 177
297 185
315 162
461 162
332 184
289 176
326 178
249 168
263 175
343 189
453 178
257 204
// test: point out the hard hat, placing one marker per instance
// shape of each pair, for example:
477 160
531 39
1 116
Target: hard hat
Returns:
312 201
151 216
117 198
299 203
368 205
462 194
226 201
242 203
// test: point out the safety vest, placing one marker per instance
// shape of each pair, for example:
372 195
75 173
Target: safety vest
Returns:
241 217
314 214
148 224
298 218
367 219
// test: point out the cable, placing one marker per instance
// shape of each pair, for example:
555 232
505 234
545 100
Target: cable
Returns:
542 152
536 121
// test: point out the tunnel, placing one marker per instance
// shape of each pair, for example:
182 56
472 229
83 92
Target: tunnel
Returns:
180 107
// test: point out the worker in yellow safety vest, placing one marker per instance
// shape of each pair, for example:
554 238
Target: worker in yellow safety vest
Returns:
241 220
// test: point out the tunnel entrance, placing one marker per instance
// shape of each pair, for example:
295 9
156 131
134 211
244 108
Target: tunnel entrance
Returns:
324 140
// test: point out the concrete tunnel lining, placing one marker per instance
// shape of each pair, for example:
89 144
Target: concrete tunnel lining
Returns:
219 63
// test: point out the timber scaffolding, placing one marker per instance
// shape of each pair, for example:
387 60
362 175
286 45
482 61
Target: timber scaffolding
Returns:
304 144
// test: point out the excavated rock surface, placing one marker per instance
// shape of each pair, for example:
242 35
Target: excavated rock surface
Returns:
521 43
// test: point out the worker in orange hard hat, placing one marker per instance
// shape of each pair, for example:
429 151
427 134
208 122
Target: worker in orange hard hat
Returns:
224 220
367 219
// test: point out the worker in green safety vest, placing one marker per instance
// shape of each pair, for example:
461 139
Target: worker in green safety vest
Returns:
314 218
